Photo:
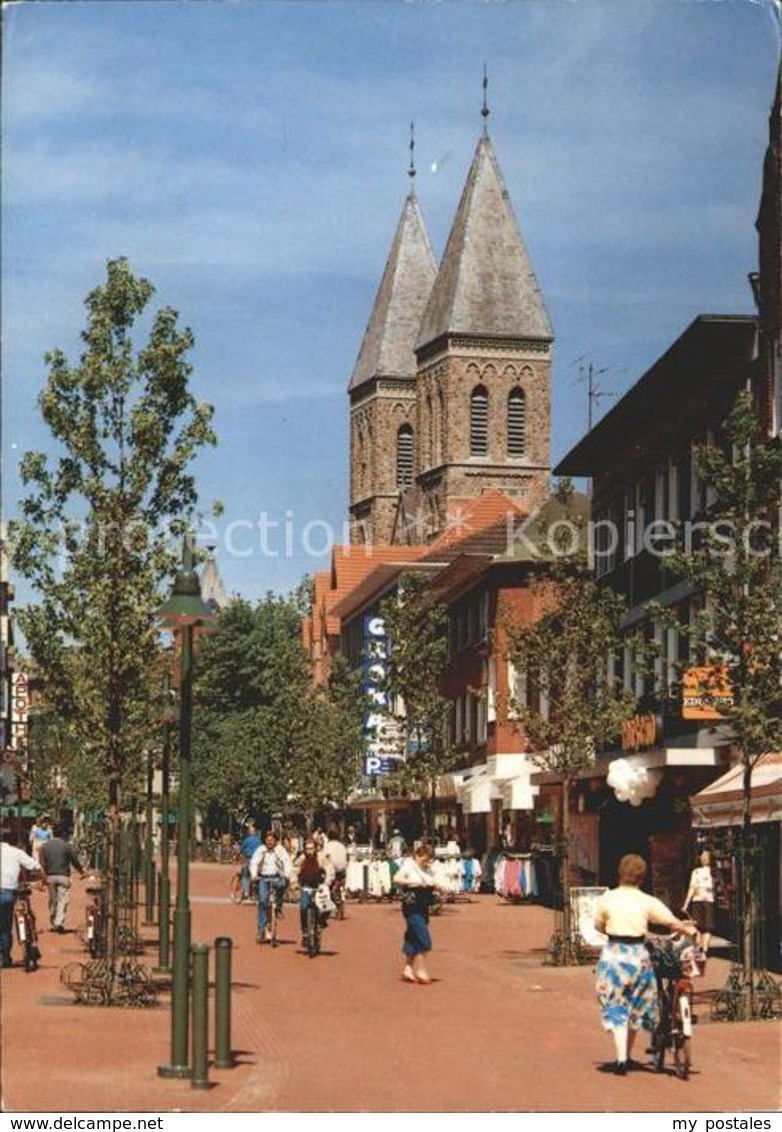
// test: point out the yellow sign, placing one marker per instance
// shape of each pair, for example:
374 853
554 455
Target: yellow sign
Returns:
707 692
640 731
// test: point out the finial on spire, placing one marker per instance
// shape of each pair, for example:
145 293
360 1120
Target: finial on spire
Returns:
411 169
485 109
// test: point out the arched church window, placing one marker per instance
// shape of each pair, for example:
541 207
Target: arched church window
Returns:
404 456
517 422
479 422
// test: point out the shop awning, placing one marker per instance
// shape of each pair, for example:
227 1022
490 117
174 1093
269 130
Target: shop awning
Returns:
504 778
722 802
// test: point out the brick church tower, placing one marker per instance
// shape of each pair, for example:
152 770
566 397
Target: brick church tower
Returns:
459 404
383 384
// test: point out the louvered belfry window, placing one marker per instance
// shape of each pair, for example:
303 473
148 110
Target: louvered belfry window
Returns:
517 422
479 422
404 456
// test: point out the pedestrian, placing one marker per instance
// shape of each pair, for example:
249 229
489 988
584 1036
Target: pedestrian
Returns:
418 885
12 862
397 846
250 842
271 867
701 895
57 858
40 832
626 983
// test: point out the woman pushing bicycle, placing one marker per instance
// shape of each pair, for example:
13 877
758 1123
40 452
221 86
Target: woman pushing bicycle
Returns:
626 982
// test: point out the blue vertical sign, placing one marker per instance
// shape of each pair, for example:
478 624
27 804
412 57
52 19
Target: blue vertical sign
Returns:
382 754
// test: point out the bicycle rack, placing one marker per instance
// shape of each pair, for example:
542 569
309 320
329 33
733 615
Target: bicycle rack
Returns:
96 984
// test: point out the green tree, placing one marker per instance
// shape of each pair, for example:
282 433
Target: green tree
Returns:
730 558
267 741
94 537
569 710
417 629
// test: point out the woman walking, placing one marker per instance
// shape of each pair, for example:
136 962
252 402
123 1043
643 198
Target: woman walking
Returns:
701 895
626 983
417 881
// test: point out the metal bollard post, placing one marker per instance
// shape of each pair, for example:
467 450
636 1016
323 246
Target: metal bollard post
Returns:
200 1077
223 1054
365 889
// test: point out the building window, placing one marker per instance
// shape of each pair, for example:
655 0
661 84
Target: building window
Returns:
479 422
404 456
517 420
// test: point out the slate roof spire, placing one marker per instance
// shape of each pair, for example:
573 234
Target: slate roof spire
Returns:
387 349
486 286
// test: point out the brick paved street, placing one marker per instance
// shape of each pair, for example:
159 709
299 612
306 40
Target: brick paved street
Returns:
497 1031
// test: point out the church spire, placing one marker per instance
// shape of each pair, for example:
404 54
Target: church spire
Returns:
387 349
485 286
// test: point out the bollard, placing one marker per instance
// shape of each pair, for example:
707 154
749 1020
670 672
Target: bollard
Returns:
164 923
200 1077
365 890
223 1055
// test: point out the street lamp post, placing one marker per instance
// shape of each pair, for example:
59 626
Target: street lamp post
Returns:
182 612
164 887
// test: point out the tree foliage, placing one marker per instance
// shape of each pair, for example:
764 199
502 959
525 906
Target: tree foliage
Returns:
265 740
568 709
94 537
731 560
417 628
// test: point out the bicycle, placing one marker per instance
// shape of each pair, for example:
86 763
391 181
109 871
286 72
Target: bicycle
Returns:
675 961
26 928
272 914
237 891
312 924
94 931
338 894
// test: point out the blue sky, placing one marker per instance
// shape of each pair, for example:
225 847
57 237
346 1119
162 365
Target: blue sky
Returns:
250 158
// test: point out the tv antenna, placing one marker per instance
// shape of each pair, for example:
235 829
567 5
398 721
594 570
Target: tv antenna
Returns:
588 373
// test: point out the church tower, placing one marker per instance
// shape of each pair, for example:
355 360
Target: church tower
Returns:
483 360
382 387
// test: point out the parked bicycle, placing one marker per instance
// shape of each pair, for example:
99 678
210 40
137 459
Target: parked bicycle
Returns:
94 921
26 928
675 962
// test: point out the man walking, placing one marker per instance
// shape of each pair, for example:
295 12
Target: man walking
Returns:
57 857
12 861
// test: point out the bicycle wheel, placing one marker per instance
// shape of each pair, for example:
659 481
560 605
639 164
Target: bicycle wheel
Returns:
272 920
237 892
681 1047
338 896
311 934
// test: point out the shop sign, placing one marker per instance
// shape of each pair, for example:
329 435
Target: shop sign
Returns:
707 692
382 737
640 731
20 703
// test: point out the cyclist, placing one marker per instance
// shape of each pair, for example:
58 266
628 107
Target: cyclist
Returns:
250 842
271 867
337 857
12 861
311 872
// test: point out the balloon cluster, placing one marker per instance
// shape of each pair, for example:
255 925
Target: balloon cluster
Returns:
632 784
